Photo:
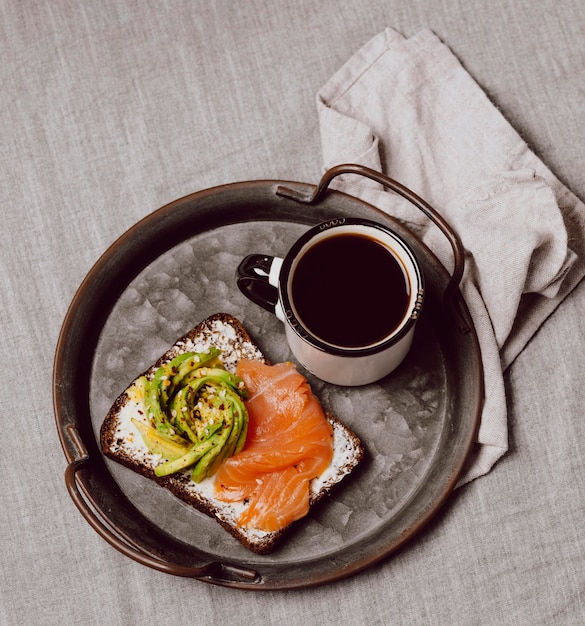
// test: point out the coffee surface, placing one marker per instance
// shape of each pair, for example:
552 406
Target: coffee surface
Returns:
350 290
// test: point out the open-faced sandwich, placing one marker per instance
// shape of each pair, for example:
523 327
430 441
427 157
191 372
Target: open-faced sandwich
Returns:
240 439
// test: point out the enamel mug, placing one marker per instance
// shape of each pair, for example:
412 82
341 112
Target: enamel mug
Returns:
349 292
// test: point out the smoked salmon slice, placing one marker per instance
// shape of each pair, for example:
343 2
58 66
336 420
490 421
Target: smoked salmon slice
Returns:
289 443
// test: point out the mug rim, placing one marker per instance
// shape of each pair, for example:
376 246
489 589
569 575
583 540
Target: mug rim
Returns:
305 334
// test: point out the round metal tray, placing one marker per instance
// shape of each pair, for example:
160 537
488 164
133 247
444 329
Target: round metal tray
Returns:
176 267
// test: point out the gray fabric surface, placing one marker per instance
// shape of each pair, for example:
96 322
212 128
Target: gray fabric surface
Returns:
109 110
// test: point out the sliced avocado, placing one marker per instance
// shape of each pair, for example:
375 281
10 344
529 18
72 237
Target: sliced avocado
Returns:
221 376
167 372
202 453
152 402
209 413
169 447
193 362
196 413
238 433
193 454
220 438
181 414
242 414
157 392
166 381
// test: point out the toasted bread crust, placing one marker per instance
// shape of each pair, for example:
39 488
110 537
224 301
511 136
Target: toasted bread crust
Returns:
235 343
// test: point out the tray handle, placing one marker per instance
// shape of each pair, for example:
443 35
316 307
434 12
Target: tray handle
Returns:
214 572
452 295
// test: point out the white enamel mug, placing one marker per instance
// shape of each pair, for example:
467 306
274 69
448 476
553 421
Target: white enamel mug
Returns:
356 323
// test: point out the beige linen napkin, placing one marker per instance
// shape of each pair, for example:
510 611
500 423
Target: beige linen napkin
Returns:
408 108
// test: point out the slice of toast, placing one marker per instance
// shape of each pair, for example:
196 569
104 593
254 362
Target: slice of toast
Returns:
121 441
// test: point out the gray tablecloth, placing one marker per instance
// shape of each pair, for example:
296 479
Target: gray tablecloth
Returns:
110 110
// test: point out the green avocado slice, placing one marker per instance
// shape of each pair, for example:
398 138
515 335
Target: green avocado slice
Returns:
196 414
202 453
193 362
181 414
195 452
221 436
169 447
237 436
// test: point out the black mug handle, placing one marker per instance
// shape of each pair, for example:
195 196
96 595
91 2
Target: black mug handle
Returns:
252 279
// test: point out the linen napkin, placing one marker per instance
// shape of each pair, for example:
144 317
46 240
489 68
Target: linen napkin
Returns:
408 108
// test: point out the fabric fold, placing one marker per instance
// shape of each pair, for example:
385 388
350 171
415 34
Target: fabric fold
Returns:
408 108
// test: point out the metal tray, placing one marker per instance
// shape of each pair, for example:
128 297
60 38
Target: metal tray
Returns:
176 267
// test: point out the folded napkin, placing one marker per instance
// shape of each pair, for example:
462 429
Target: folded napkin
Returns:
407 108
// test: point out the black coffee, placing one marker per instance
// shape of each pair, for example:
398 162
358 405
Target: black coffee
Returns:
350 290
